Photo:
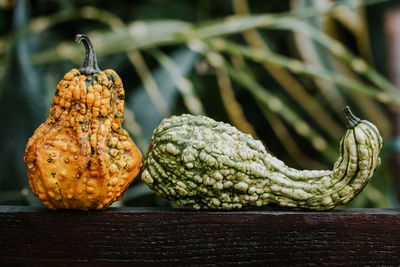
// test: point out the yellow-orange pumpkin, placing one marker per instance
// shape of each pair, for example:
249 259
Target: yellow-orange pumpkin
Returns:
80 157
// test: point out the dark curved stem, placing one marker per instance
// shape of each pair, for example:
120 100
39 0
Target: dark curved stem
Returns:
351 119
90 64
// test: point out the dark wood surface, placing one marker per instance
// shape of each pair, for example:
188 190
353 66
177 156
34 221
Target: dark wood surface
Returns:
173 237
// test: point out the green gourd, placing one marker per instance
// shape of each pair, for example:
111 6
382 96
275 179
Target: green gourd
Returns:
197 162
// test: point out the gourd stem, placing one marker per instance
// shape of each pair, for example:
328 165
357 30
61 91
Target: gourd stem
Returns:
351 119
90 64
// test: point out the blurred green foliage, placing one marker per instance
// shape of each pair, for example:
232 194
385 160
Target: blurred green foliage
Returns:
279 70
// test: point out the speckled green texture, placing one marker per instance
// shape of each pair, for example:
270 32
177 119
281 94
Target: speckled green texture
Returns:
197 162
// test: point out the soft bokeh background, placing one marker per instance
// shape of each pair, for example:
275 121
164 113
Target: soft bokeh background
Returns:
279 70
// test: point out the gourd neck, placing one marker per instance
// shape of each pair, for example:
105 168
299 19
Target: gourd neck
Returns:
90 64
351 120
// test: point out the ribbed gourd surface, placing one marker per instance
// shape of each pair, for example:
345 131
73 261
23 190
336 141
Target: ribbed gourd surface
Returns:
198 162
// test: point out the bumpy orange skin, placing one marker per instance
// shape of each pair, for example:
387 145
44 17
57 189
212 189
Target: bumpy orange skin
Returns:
80 157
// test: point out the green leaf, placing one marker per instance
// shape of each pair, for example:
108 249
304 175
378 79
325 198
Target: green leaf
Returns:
145 113
21 104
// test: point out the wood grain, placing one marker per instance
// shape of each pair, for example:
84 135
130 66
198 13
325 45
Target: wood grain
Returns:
173 237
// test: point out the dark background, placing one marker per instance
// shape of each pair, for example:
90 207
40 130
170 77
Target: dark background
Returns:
37 49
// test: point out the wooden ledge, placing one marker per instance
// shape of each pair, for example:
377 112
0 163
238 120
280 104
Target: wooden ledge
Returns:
149 236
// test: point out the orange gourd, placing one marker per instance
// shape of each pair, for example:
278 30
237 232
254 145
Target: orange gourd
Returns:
80 157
